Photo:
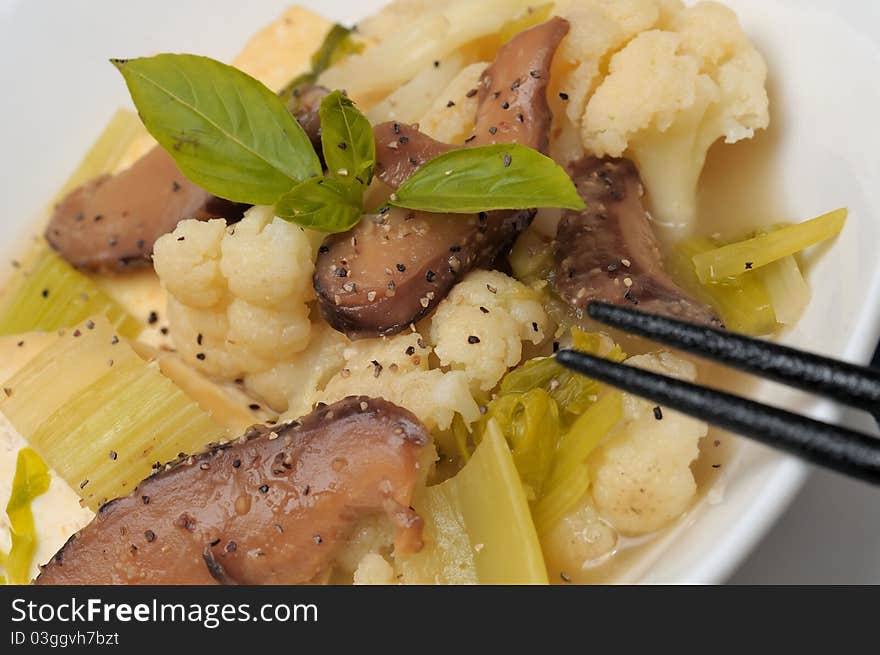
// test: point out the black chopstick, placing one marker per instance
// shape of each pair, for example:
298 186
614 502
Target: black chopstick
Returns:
837 448
853 385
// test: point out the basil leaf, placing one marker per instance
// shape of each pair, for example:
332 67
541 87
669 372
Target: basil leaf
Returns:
323 203
484 178
228 133
347 139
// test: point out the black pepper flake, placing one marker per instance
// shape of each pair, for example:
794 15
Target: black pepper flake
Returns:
401 267
521 118
493 130
716 466
20 344
342 145
145 500
436 63
473 339
98 217
254 406
534 326
404 139
90 324
749 266
77 333
450 104
306 490
113 341
175 187
83 483
470 138
507 160
430 276
45 293
377 368
505 105
323 250
410 350
471 93
563 95
163 330
317 539
199 338
181 238
153 318
384 209
396 127
264 488
231 547
658 413
215 542
113 455
150 536
236 463
484 310
200 357
515 85
555 346
341 272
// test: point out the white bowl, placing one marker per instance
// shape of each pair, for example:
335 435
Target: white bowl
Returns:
60 91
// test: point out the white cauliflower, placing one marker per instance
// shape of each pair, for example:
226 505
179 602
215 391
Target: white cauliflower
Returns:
237 295
397 369
579 541
669 94
451 117
480 326
374 569
641 476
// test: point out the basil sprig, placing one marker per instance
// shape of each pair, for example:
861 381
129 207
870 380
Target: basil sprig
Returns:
335 203
483 178
228 133
234 137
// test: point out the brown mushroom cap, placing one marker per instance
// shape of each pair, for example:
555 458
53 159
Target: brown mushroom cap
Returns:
111 222
609 252
273 508
393 268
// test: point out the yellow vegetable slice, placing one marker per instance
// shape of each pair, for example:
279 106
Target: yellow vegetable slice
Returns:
31 480
787 289
47 293
99 415
742 301
569 478
736 258
478 528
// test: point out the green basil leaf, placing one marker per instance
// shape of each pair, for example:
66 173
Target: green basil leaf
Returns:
228 133
323 203
347 138
484 178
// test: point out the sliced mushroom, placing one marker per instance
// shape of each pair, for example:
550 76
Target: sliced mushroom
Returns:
393 268
275 507
111 222
305 104
609 252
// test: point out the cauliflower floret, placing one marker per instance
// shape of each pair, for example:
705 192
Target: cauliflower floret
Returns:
374 569
454 123
670 94
396 369
237 295
480 326
579 541
641 476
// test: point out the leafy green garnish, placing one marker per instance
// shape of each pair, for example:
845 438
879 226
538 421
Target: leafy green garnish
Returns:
323 203
337 44
347 139
228 133
335 203
485 178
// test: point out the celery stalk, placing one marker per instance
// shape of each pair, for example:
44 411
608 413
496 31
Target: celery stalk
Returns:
99 415
788 291
569 478
742 302
104 155
47 293
751 254
478 528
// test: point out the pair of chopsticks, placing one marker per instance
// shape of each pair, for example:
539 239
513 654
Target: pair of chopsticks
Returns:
834 447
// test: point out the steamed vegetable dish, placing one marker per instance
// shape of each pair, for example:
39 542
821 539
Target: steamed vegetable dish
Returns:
294 321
